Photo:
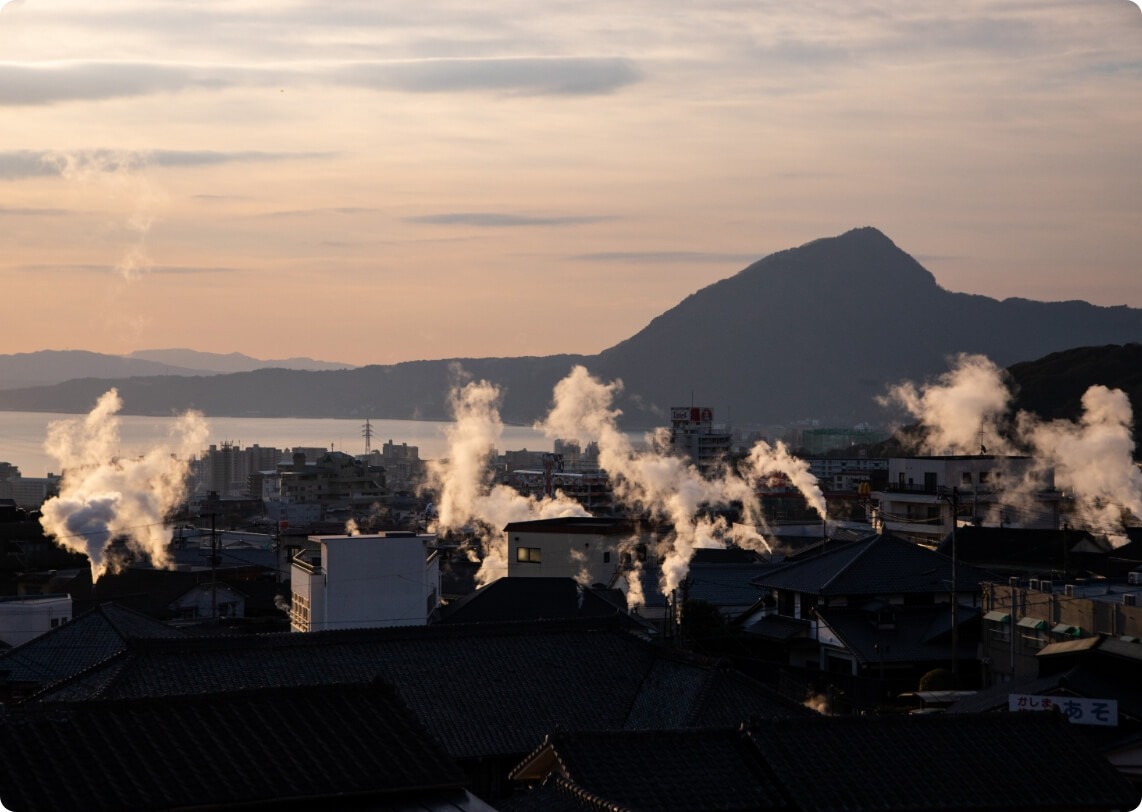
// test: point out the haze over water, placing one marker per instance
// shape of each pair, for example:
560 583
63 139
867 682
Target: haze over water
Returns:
22 436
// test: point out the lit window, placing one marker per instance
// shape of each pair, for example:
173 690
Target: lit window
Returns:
528 555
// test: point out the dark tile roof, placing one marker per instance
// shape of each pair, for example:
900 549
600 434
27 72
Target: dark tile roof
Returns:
517 599
87 639
916 634
227 750
940 762
1017 548
726 585
900 762
484 690
595 525
663 770
882 564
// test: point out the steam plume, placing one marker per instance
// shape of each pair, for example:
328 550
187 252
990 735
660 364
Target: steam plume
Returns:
660 483
121 175
1091 458
467 497
973 394
102 498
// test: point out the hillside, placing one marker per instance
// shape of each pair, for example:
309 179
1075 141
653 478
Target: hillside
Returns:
812 332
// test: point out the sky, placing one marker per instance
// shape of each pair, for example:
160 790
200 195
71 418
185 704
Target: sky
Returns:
376 182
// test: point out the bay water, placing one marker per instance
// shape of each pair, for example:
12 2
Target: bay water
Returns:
22 436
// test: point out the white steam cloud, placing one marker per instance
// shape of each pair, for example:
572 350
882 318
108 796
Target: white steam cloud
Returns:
102 498
649 481
1092 458
467 497
122 176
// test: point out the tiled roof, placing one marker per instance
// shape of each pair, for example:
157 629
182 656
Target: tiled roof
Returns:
939 762
483 690
515 599
916 634
726 584
906 762
882 564
663 770
222 749
89 638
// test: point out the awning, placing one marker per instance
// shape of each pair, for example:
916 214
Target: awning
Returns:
997 616
1032 623
1063 628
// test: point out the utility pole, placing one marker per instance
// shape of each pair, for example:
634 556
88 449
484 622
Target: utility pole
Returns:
213 570
953 499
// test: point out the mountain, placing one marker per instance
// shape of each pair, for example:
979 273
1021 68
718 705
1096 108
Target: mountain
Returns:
53 366
812 332
231 362
1053 387
49 367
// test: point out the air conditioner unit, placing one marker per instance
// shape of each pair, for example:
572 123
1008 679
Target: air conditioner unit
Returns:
1013 580
1033 584
1069 589
1047 586
1135 577
1129 599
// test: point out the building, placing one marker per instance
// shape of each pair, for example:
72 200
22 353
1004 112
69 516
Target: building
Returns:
26 618
1025 615
336 480
922 493
591 550
693 435
351 582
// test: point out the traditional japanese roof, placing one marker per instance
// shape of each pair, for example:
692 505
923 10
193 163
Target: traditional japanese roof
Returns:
916 634
898 762
321 745
482 689
519 599
87 639
879 565
664 770
726 585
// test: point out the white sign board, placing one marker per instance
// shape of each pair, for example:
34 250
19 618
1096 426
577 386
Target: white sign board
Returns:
1079 710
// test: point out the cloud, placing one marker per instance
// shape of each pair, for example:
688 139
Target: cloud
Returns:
664 257
501 220
34 84
25 163
574 76
8 211
174 270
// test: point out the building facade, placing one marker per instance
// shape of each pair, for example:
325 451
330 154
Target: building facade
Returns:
365 581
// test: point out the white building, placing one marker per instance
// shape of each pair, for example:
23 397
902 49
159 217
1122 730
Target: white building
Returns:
590 550
988 489
348 582
26 618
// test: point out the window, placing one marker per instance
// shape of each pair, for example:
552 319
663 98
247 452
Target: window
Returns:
965 478
55 622
640 552
606 558
528 555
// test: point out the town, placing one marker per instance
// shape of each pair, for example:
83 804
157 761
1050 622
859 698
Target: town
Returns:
389 639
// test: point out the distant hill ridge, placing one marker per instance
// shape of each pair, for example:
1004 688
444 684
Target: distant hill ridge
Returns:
48 367
811 332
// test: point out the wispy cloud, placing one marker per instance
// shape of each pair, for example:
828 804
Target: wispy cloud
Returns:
525 76
36 84
501 220
18 211
173 270
24 163
665 257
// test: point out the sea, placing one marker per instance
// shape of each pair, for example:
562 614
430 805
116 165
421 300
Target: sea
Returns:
22 436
